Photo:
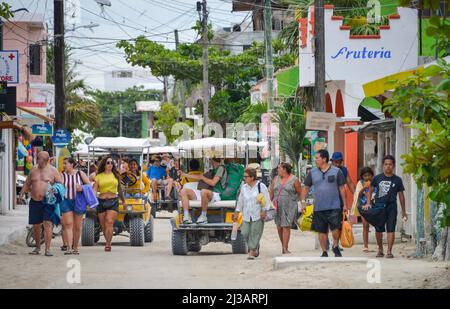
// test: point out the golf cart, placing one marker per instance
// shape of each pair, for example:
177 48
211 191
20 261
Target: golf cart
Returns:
161 203
135 217
191 237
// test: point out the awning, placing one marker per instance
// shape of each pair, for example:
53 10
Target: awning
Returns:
29 111
372 126
380 86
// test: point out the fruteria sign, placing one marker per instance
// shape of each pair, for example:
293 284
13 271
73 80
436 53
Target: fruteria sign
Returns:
42 129
9 66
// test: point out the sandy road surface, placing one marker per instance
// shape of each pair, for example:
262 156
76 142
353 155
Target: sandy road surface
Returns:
154 266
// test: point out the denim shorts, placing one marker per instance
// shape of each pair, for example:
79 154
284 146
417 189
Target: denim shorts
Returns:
68 206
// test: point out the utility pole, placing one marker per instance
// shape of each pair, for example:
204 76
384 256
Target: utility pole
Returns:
60 108
319 56
269 52
120 120
181 85
204 21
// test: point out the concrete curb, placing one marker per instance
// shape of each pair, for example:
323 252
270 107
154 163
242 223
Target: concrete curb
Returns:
280 261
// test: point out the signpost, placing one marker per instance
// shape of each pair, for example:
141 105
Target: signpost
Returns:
9 66
61 138
42 129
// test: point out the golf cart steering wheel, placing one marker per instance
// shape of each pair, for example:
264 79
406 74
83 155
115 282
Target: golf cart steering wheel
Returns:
128 179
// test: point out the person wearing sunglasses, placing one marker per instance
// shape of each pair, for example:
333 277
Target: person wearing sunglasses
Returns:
107 186
329 183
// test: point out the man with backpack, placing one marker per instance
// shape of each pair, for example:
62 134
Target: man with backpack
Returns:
208 190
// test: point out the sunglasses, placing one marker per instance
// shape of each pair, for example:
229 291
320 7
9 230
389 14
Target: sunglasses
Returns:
109 162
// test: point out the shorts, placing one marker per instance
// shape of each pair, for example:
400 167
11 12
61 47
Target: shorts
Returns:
108 204
391 219
198 196
40 212
327 218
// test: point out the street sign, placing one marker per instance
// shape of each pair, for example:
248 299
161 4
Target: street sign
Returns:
42 129
8 100
9 66
319 121
61 137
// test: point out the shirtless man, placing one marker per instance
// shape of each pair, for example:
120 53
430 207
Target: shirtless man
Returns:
40 213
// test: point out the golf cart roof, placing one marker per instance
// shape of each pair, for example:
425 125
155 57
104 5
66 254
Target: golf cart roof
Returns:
162 149
120 144
206 143
83 151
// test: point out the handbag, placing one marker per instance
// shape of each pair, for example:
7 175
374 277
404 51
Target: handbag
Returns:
306 219
347 238
270 214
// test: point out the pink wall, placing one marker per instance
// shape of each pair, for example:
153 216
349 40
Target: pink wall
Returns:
17 36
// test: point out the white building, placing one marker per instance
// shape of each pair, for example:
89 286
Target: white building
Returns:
121 80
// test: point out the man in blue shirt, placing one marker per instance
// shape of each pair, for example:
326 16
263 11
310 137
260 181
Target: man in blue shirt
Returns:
328 182
156 174
338 160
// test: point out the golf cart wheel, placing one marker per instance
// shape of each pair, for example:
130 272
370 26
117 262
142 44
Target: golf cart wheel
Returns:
239 246
149 230
195 247
137 227
179 242
88 232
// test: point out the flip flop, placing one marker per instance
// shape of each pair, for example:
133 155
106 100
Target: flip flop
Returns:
63 248
250 257
35 252
366 250
380 255
68 253
75 252
389 256
47 253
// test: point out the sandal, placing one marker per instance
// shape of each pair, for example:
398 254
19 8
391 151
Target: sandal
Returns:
35 252
107 248
64 248
75 252
47 253
366 250
68 252
380 255
389 256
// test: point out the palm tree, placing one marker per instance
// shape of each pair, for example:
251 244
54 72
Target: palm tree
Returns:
81 112
291 120
252 114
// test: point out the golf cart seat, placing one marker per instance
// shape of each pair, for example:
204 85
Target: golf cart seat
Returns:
215 205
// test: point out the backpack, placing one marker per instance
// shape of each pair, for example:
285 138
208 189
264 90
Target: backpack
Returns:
235 176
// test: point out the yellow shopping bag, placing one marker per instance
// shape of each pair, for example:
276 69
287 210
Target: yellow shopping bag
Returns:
305 220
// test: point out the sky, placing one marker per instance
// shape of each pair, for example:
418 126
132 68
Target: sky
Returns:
95 52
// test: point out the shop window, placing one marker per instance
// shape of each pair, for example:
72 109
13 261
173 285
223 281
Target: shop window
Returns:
35 59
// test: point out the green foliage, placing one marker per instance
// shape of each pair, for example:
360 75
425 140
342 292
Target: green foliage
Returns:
199 28
253 113
109 104
167 117
5 10
417 100
186 62
291 121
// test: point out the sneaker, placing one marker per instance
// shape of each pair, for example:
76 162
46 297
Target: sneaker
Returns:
324 254
187 221
202 220
337 252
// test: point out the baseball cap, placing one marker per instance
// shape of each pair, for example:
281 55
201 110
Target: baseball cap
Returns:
337 156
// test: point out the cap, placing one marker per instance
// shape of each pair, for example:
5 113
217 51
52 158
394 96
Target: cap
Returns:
337 156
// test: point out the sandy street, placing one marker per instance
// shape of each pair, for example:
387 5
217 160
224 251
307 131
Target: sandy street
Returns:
154 266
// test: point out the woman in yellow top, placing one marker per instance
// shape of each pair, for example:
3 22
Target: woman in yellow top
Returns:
142 186
107 187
